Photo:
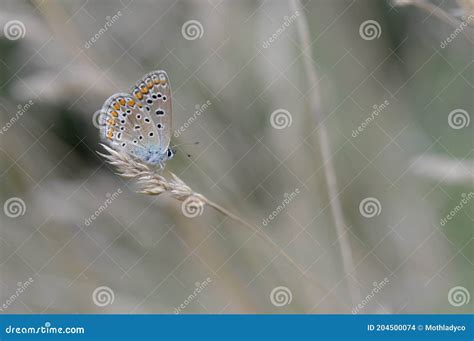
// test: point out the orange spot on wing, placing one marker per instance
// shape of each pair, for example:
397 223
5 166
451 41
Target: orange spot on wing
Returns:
144 90
122 101
131 102
116 106
114 113
138 95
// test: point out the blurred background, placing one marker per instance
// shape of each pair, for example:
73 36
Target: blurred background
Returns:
394 82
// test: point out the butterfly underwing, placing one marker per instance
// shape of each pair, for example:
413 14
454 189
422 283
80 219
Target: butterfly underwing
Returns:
139 123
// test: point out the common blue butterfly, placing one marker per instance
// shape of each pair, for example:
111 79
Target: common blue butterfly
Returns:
140 123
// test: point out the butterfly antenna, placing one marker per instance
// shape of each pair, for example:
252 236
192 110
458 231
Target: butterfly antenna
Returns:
185 143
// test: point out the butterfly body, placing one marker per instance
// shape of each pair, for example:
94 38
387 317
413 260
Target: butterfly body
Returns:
153 154
139 123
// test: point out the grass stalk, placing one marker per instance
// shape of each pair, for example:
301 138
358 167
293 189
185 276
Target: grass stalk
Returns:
323 139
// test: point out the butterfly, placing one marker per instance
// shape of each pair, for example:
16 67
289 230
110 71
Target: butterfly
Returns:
139 123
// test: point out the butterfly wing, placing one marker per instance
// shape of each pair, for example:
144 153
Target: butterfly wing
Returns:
154 92
127 126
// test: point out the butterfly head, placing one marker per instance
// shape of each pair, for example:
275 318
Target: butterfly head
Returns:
170 153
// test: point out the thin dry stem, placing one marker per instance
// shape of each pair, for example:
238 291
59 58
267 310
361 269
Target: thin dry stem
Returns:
432 9
152 183
330 177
